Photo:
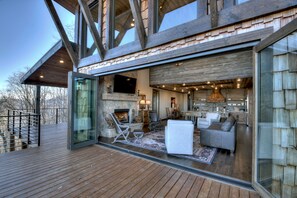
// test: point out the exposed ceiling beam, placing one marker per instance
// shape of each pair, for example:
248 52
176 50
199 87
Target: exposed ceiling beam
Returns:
61 31
138 22
94 32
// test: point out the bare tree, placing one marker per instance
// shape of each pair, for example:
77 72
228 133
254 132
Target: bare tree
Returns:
19 96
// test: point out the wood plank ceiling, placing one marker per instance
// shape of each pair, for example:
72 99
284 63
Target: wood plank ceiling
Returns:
52 72
237 83
219 70
70 5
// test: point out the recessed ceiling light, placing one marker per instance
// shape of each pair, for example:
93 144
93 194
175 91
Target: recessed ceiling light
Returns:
238 80
41 76
61 61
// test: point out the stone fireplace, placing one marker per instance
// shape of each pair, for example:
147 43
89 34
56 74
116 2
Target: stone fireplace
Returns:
122 115
122 104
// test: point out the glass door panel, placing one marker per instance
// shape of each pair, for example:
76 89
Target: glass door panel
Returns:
82 91
277 119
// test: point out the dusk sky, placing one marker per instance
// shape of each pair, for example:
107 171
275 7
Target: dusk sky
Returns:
27 33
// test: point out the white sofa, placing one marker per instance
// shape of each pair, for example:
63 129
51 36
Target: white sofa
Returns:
203 123
179 137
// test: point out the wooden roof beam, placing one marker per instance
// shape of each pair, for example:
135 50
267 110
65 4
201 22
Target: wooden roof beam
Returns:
214 15
136 12
94 32
62 32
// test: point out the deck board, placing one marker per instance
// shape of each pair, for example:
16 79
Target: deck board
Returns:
96 171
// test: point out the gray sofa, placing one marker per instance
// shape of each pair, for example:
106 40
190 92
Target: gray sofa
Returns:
220 135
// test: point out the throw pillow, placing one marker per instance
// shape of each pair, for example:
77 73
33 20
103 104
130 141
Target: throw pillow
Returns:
226 126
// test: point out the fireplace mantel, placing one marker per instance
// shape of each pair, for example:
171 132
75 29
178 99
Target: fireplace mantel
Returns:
119 97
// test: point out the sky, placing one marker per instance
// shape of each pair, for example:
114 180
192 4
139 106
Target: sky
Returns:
27 32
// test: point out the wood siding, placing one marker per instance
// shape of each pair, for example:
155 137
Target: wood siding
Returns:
218 67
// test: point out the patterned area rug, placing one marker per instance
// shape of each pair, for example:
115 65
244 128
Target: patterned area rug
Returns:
155 141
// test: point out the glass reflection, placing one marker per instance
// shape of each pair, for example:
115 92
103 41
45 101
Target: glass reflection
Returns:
124 25
277 118
84 110
173 13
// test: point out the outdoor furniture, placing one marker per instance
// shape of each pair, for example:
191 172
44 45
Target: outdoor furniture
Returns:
179 137
220 135
203 123
121 129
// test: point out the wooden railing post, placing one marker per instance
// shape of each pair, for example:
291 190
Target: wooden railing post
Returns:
39 129
57 116
13 121
29 123
8 128
20 126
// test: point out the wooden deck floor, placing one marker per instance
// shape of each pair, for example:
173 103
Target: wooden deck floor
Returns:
52 171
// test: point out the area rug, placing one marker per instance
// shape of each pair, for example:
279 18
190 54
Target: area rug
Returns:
155 141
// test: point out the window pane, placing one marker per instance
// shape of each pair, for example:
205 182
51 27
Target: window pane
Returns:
89 47
173 13
124 27
277 118
241 1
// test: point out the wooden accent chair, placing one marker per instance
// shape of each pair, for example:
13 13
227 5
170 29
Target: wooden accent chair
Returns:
121 129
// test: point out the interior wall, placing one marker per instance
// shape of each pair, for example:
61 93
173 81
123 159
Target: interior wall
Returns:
143 85
224 66
165 101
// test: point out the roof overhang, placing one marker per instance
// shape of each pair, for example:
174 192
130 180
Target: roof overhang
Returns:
49 71
70 5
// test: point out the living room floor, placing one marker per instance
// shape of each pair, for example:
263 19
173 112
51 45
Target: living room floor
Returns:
238 166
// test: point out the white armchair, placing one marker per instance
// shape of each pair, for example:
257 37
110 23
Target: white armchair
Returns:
179 137
203 123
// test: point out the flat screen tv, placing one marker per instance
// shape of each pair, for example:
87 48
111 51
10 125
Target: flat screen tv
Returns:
124 84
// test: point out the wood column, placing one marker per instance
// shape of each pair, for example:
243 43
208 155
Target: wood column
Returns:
37 100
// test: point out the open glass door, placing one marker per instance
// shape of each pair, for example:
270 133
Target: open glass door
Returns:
275 144
82 111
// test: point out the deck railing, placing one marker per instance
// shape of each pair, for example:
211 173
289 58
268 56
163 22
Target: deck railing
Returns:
50 115
19 130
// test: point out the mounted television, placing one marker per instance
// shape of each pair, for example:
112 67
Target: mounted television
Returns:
124 84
